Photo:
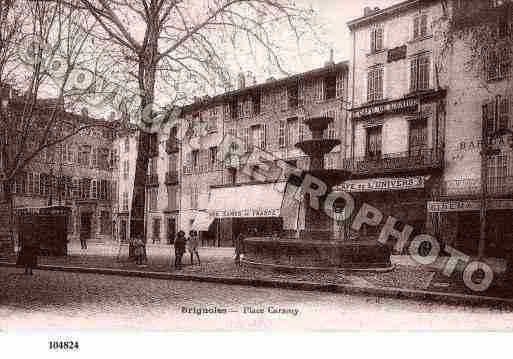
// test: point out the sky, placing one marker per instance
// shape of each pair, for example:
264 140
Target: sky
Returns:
334 15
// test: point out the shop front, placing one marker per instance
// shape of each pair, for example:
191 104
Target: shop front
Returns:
403 198
252 209
457 223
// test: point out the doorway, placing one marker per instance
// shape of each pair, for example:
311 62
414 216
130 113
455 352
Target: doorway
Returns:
122 231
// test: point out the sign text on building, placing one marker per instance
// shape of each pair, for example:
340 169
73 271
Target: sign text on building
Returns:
383 184
403 105
246 213
471 205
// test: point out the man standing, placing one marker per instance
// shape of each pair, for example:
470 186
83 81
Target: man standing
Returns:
179 249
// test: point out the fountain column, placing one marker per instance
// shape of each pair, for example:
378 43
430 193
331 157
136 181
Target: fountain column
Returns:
318 225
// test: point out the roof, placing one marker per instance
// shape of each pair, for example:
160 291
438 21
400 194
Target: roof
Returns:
383 14
341 66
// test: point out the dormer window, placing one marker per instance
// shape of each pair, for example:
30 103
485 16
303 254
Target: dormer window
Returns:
376 39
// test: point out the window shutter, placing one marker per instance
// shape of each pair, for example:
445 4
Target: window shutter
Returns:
301 129
414 74
373 40
504 107
492 65
188 161
423 69
379 84
245 139
340 86
504 62
263 145
379 39
416 26
488 119
370 95
281 134
423 25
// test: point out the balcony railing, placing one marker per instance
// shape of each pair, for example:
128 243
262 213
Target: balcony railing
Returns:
403 162
496 186
152 180
172 178
172 146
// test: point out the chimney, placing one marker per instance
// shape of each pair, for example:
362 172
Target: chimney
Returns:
330 62
251 79
242 81
367 11
85 112
270 79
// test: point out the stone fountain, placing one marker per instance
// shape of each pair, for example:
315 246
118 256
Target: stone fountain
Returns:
313 244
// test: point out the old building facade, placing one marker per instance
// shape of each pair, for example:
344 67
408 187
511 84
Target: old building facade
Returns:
77 173
220 198
398 111
420 115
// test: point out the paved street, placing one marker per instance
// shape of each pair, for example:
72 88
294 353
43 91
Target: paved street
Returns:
60 300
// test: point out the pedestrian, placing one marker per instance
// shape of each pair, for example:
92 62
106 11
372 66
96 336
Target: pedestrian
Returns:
27 256
239 247
139 250
192 246
83 239
179 249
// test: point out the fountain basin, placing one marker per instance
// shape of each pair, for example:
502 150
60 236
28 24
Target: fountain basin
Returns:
293 254
311 147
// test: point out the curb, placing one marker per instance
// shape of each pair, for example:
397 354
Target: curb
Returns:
398 293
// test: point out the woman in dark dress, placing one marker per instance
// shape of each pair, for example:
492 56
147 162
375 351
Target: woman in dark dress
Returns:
27 256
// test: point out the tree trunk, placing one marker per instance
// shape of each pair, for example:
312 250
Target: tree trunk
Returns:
7 226
147 75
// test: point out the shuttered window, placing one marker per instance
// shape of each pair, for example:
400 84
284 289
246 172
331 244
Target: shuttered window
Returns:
498 64
292 132
375 84
281 134
419 73
497 115
417 140
340 86
420 26
373 145
376 39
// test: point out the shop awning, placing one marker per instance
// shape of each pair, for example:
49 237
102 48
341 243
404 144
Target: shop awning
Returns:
202 221
247 201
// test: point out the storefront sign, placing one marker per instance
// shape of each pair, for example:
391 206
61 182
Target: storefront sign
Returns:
397 53
247 213
383 184
403 105
471 205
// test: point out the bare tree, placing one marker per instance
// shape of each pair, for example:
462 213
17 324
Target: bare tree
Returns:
486 28
43 51
175 48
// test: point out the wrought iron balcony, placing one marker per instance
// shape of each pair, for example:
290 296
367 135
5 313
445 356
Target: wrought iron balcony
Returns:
172 146
152 180
496 186
424 160
172 178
